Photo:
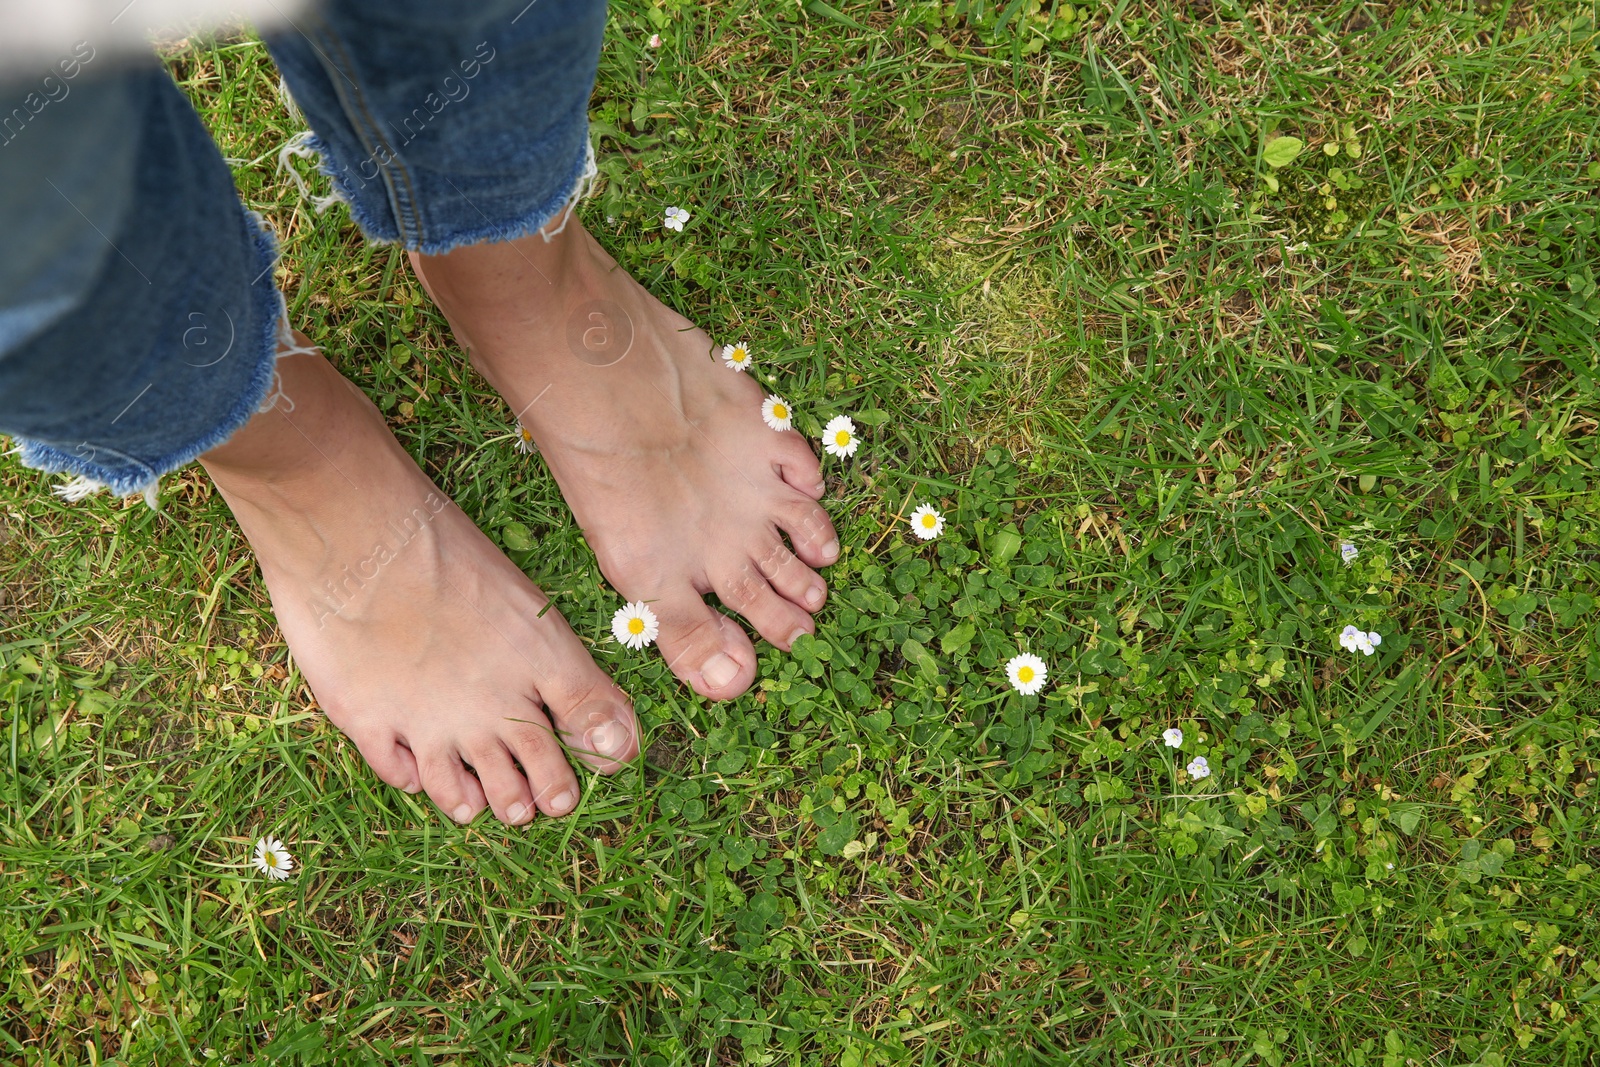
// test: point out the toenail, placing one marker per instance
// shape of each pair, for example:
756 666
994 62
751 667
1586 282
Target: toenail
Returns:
797 635
518 812
830 551
463 813
414 787
820 488
718 671
564 803
814 598
609 739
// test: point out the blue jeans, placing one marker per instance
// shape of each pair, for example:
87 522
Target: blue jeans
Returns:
139 321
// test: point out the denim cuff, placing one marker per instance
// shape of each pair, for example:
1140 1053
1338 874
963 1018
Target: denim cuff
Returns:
150 334
98 466
441 126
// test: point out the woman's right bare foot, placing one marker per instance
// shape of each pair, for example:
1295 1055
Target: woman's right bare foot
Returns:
421 641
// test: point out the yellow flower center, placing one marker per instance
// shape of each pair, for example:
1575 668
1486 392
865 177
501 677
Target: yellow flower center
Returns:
929 521
1024 675
636 626
270 859
842 438
738 355
779 411
526 436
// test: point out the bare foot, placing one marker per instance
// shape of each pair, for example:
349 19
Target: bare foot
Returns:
421 641
659 449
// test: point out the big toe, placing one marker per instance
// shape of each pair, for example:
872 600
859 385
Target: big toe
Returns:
705 648
595 719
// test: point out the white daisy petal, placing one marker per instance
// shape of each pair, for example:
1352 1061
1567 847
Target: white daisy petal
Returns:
272 859
635 625
839 437
737 357
1173 738
777 413
1027 673
926 522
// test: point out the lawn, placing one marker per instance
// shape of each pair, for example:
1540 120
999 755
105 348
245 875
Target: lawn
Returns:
1161 305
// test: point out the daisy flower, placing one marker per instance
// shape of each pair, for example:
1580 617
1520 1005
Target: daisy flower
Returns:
1173 738
272 859
635 625
525 443
1027 673
926 522
777 413
839 437
1348 552
675 219
736 357
1199 768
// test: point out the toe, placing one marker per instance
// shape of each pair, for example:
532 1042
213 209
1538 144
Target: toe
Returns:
594 718
450 785
746 591
704 647
792 579
391 760
810 531
503 784
798 467
549 775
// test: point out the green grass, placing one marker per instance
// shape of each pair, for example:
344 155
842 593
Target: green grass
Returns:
1060 276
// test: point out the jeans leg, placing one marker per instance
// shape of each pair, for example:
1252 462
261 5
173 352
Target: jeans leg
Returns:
442 127
138 317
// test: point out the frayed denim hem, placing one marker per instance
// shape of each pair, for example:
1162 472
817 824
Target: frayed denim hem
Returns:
134 476
579 186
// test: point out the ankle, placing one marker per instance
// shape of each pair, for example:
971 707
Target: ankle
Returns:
317 416
482 278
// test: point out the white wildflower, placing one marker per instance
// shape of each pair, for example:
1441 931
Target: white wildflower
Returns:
926 522
272 859
635 625
1027 673
839 437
